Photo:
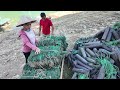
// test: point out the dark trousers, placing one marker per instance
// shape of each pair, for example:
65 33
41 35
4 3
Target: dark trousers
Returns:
26 54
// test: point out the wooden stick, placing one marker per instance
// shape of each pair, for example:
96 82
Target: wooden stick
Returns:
74 76
95 50
107 48
115 34
81 58
92 43
105 51
97 45
118 53
90 52
61 75
88 55
105 33
83 51
114 55
101 73
109 36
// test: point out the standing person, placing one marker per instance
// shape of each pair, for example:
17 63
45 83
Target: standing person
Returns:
27 36
45 24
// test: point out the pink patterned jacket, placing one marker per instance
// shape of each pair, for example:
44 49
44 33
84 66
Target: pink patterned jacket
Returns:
27 46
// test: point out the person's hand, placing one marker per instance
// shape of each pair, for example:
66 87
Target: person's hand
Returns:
37 51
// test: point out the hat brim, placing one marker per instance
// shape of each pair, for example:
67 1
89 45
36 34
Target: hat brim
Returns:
26 23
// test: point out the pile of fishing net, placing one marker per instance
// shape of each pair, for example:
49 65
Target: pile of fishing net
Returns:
95 62
97 57
54 41
116 25
32 73
47 64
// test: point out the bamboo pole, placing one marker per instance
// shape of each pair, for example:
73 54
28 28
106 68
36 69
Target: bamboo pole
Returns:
105 33
109 36
61 75
115 34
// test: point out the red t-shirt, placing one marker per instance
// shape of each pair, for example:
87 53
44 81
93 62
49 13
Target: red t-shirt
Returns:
46 26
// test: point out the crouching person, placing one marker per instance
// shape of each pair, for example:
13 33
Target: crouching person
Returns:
27 36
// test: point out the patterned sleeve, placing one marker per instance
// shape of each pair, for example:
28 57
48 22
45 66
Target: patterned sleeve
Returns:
26 41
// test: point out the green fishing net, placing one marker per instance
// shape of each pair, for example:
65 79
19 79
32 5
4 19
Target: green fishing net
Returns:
54 40
83 76
116 25
52 51
112 43
47 64
110 69
32 73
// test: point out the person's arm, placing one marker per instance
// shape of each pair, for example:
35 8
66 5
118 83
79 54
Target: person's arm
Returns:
39 30
52 29
36 42
52 26
26 41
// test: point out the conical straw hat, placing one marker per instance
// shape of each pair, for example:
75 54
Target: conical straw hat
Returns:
24 20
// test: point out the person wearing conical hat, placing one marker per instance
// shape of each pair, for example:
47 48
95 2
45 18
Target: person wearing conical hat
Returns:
27 36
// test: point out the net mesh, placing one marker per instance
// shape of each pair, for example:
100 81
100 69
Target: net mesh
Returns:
47 64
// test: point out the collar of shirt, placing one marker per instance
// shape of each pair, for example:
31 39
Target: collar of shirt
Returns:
28 30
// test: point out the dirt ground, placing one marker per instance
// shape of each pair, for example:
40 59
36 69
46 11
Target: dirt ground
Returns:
73 26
